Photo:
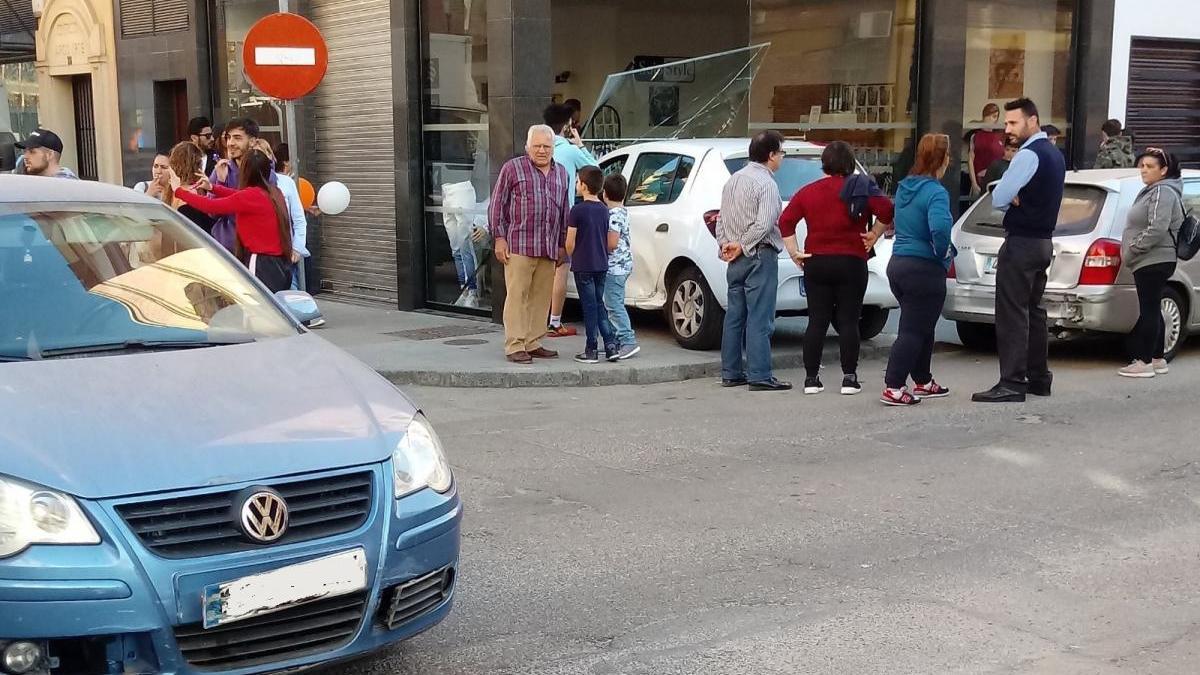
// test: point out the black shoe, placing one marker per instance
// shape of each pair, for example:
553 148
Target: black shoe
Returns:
772 384
1041 386
850 385
999 394
588 356
612 353
739 382
812 385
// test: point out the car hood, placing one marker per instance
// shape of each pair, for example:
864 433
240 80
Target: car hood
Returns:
117 425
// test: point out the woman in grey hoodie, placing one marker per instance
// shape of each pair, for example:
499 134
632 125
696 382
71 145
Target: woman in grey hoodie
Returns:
1148 250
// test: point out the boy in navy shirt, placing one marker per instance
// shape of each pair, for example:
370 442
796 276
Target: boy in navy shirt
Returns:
589 242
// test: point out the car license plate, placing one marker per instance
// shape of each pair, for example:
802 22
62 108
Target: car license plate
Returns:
989 264
285 587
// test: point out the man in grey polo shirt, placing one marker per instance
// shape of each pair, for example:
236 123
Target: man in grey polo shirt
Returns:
748 233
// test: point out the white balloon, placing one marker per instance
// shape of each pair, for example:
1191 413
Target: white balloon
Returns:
333 198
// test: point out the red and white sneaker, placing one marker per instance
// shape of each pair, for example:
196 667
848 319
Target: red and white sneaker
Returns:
898 397
930 390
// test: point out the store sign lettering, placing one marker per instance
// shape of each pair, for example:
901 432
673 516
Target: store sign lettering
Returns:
663 69
285 56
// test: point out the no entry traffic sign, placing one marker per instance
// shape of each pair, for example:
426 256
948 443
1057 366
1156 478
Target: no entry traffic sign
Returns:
285 56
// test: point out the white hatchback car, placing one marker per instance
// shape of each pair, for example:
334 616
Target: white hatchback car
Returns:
674 199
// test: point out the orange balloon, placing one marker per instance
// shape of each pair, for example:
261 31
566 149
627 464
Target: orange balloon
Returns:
307 193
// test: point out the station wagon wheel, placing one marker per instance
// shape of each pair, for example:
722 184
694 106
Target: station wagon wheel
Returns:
692 313
1175 319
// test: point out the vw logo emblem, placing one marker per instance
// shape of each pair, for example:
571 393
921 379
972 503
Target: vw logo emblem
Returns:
264 516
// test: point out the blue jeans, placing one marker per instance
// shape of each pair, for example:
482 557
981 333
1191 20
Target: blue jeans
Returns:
750 315
464 264
614 300
591 295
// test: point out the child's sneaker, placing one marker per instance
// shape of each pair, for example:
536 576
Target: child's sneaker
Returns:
588 356
812 385
1137 369
612 353
898 397
1159 365
930 390
850 385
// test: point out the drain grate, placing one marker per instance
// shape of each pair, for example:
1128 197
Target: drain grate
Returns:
442 332
463 342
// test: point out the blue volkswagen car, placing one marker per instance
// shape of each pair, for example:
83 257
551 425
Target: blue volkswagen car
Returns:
190 480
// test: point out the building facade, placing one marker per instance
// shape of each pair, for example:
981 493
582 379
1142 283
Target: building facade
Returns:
425 99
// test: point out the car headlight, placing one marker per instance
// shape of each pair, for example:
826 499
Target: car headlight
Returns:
418 460
30 514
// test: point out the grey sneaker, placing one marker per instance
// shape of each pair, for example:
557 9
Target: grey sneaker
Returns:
1160 366
627 351
1137 369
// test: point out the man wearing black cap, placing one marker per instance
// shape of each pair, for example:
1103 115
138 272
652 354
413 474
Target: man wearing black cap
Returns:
43 149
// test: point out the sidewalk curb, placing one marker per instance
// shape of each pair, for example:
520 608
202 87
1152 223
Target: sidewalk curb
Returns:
606 375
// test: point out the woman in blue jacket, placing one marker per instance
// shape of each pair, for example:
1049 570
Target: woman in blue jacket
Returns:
917 272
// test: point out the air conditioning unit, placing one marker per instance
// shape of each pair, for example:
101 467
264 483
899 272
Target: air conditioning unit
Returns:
874 25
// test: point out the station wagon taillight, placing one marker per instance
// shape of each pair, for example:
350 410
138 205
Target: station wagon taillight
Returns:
952 273
1101 264
710 221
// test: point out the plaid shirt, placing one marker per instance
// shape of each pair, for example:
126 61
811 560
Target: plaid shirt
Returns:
529 209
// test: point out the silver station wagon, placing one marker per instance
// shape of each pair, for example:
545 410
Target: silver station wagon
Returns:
1088 288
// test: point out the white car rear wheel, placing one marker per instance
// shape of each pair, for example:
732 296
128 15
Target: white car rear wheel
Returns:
692 313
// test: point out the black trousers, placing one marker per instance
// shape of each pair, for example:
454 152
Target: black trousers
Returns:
275 271
1022 337
1147 341
836 285
920 287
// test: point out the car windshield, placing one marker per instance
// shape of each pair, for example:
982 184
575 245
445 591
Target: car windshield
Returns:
78 278
1080 210
793 174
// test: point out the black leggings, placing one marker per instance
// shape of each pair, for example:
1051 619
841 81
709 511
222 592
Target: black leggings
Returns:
836 285
920 287
1148 338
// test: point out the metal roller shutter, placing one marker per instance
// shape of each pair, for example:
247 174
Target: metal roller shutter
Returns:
354 144
1163 108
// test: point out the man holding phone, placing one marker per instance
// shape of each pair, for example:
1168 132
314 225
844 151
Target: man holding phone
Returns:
568 151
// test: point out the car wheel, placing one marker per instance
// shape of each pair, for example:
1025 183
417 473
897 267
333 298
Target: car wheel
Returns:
977 336
872 322
1175 318
693 315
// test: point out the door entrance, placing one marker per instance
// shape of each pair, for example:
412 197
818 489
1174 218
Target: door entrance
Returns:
170 113
85 127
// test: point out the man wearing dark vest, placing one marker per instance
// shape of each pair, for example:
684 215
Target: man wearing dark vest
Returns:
1030 194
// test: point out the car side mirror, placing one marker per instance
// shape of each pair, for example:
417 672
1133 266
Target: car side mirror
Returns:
300 305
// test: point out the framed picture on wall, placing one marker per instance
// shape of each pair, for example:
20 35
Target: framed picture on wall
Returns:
664 106
1006 67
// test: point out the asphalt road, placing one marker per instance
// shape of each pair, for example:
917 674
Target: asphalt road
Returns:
683 528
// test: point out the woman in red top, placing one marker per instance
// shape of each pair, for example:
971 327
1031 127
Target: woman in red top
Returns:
837 211
264 233
985 146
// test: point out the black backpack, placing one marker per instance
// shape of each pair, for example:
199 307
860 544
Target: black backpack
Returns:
1187 242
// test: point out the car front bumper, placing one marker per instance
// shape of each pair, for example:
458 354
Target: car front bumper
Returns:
1110 309
118 607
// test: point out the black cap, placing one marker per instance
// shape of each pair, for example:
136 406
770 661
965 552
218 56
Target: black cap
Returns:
42 138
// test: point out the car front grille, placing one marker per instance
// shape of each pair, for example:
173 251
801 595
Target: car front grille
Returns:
307 629
200 525
415 598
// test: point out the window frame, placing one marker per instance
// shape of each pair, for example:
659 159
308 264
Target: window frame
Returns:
672 191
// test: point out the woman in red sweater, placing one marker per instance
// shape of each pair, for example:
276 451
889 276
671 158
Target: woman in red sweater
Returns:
837 211
264 233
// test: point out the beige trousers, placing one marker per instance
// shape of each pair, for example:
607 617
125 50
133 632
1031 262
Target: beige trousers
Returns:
529 283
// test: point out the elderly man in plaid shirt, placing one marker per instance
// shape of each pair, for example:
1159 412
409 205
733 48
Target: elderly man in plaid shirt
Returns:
528 218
